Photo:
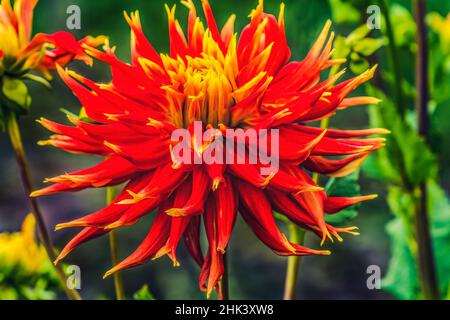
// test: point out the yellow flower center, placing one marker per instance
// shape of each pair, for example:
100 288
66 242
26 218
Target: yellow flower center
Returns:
202 88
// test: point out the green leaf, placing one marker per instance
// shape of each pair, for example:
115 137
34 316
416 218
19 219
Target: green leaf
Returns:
281 217
15 95
404 27
358 65
341 48
82 116
406 152
358 34
402 277
343 187
344 12
368 46
143 294
38 79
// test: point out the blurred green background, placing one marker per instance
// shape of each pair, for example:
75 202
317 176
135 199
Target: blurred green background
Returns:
256 273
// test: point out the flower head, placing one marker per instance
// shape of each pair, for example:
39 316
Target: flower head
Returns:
20 250
20 52
212 79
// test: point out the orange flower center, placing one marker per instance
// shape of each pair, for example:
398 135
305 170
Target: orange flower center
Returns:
202 88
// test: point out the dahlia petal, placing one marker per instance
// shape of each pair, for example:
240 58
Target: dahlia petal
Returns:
257 212
67 48
286 182
226 204
92 103
228 30
75 146
311 202
358 101
191 19
85 235
112 171
212 25
24 11
335 168
192 240
326 108
293 151
155 239
149 155
249 173
69 131
216 174
165 180
138 88
133 213
334 147
339 134
292 112
178 43
195 204
114 132
113 211
298 76
336 204
287 206
112 100
178 224
213 267
141 47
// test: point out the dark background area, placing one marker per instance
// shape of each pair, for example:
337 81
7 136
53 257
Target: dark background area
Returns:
256 273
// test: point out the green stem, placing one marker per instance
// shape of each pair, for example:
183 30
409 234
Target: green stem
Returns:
297 235
114 249
425 258
25 173
394 59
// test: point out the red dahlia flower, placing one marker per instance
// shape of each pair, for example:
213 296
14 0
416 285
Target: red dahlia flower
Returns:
225 82
20 53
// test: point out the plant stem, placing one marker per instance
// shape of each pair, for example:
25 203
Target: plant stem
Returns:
297 235
25 173
426 264
225 279
114 249
394 59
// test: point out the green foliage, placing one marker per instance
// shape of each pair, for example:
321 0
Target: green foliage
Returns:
41 80
408 155
14 95
143 294
81 116
404 27
343 187
344 12
402 277
356 48
406 152
16 283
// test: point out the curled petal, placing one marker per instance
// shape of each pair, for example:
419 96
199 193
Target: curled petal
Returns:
85 235
257 212
153 242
